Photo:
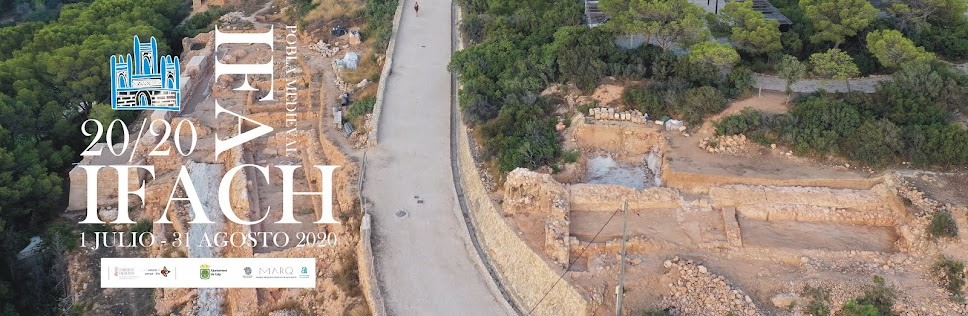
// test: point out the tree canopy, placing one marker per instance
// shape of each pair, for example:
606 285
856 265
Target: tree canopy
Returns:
720 55
790 69
833 64
52 74
751 31
667 22
835 20
892 49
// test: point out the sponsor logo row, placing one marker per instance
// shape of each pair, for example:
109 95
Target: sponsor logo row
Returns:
208 272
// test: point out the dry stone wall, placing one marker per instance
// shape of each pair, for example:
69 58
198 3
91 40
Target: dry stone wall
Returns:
629 139
808 204
701 182
538 193
524 273
606 197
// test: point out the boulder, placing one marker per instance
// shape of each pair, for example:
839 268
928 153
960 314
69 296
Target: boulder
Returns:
784 300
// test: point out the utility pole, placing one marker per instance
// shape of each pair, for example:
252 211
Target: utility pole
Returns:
620 289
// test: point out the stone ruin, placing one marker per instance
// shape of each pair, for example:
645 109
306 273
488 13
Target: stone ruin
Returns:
714 216
633 116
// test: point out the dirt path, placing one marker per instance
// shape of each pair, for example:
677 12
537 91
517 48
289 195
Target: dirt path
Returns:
424 261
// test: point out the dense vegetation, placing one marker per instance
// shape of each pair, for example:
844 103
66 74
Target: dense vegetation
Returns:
518 48
907 119
53 76
943 225
936 26
379 21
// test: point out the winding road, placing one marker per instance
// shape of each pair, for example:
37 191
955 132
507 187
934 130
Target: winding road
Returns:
425 263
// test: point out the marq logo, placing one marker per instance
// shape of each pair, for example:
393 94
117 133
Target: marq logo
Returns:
144 82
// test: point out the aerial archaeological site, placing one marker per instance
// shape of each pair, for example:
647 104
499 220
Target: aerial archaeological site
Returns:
484 157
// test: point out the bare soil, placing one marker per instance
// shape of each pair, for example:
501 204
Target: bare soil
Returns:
821 236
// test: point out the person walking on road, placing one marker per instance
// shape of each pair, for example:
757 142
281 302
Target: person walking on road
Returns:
416 8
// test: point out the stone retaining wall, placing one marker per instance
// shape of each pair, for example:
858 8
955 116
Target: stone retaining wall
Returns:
700 183
381 89
628 139
810 204
368 281
524 273
608 198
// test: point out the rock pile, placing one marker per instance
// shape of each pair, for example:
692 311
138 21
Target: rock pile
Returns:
610 114
342 85
235 21
925 205
699 292
732 144
325 49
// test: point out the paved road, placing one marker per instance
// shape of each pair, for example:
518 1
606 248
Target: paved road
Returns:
424 261
865 84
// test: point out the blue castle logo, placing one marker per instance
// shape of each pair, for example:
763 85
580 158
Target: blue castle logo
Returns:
143 82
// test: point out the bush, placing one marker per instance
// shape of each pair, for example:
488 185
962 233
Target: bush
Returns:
942 225
584 107
818 301
199 23
672 99
379 22
696 104
878 300
717 26
645 101
739 82
571 156
63 234
360 107
876 143
951 275
853 308
745 121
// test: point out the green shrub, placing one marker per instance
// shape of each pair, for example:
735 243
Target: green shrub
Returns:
739 82
695 104
360 108
379 22
199 23
571 156
951 275
853 308
878 300
817 301
584 107
717 26
62 234
942 225
745 121
645 101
